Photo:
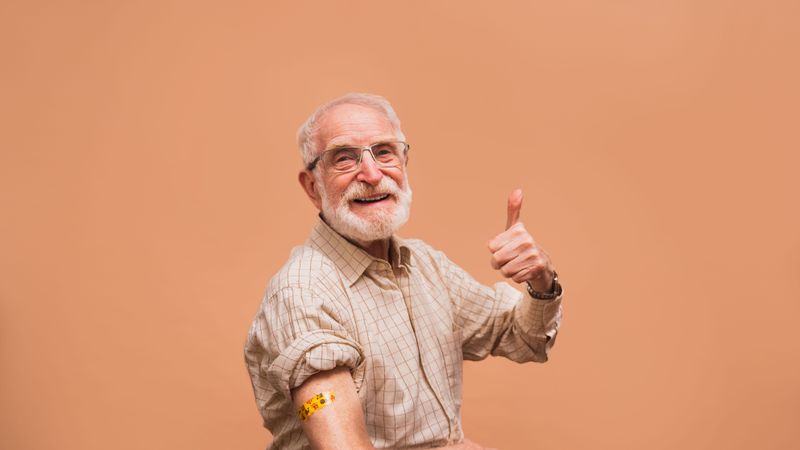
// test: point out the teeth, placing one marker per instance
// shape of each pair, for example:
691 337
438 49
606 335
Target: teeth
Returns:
372 199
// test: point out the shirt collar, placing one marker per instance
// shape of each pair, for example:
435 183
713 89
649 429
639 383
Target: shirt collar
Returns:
350 259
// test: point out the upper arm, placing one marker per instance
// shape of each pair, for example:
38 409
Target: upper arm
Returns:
302 334
497 319
339 424
481 313
299 335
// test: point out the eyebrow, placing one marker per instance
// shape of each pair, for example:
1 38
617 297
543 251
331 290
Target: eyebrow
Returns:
338 146
386 138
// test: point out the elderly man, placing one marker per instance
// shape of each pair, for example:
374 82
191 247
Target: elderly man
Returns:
360 338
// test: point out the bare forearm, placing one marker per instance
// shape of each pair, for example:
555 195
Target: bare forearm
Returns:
447 447
465 445
340 423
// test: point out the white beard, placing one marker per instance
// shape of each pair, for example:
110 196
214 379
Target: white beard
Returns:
381 225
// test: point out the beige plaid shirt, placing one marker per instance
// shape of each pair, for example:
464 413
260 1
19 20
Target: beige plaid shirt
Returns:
403 328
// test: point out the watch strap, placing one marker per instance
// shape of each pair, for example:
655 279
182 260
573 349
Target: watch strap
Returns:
554 292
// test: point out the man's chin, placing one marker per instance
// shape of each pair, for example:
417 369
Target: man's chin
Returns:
365 222
366 232
357 226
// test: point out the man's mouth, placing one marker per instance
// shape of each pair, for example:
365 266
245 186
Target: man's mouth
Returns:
372 199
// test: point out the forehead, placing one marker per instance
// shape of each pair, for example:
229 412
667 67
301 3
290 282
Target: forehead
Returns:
353 124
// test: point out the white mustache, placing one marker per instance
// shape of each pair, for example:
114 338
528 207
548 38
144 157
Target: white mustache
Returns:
363 190
380 225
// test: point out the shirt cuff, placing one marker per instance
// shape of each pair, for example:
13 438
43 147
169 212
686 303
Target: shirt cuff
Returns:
539 321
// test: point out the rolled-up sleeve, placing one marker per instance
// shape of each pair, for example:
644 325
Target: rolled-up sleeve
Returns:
296 334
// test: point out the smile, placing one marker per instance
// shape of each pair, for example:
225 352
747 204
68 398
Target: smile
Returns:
373 199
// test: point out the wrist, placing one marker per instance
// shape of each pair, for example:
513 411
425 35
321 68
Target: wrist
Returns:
542 283
554 289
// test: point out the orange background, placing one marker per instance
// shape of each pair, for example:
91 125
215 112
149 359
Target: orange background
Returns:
148 175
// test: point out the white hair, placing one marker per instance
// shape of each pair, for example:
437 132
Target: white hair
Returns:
306 135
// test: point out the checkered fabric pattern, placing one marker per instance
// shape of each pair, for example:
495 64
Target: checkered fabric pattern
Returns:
403 327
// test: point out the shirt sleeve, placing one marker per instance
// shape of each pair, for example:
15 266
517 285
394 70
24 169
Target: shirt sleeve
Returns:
499 320
299 334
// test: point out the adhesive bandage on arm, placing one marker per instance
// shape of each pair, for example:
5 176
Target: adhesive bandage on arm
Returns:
316 402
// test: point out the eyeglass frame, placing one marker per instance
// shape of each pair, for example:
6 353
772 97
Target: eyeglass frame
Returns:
313 164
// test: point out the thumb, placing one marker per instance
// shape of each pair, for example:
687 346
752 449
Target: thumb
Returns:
514 205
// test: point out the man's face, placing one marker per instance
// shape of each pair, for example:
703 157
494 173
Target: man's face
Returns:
369 203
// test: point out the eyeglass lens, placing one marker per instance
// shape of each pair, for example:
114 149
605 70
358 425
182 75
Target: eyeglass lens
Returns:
386 154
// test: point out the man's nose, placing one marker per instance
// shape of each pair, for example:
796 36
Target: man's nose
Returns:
368 170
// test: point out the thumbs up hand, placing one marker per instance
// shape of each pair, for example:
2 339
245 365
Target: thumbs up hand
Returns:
516 255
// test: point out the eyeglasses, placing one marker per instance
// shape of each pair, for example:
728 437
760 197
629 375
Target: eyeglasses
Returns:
348 158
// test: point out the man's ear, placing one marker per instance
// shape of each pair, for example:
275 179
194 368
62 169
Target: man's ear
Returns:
309 183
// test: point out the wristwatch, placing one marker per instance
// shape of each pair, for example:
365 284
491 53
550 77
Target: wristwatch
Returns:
555 292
